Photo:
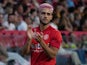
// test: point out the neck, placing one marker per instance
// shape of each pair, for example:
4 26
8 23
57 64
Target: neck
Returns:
43 27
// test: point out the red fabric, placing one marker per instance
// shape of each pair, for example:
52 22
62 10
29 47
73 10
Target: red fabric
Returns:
53 38
20 36
12 38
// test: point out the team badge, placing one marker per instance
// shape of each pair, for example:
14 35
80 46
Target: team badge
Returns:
46 36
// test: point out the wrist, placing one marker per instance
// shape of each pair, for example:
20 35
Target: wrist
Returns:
29 40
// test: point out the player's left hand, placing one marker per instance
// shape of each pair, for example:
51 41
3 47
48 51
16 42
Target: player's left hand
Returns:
39 37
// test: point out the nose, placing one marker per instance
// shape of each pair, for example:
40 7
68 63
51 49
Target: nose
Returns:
45 15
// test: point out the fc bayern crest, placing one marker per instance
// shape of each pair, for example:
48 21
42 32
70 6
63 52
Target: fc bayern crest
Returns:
46 36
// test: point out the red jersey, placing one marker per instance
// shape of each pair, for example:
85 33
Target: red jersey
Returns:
51 37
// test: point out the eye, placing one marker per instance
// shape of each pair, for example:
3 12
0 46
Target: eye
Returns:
48 14
43 13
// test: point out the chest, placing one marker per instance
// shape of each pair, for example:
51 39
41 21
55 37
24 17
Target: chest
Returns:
36 45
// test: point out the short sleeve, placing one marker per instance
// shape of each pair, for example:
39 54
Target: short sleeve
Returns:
56 39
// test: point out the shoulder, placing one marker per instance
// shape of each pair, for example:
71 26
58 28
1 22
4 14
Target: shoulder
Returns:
23 23
11 24
55 32
5 23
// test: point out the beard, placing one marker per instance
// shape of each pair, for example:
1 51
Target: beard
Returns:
44 23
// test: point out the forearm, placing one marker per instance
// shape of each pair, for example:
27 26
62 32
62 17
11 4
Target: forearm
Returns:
26 48
51 51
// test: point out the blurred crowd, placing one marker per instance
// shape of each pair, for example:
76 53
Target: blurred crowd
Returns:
69 15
